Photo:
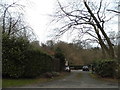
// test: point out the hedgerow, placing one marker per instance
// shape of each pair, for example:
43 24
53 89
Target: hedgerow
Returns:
106 68
20 59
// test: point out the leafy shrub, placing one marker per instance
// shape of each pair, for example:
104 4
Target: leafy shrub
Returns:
21 59
12 56
55 74
51 74
59 55
118 70
105 68
37 63
48 75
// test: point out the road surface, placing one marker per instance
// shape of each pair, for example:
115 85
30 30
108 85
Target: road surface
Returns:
72 81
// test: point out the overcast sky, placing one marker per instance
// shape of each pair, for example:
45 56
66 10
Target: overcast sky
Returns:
37 15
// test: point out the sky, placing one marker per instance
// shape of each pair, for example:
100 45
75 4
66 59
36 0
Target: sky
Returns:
37 16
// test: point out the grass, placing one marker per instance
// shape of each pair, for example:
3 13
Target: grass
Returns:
22 82
97 77
0 83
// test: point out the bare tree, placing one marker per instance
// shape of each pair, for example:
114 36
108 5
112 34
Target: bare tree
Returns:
12 21
117 8
89 19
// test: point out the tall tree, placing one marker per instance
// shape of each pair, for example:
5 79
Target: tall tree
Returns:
89 19
116 8
12 20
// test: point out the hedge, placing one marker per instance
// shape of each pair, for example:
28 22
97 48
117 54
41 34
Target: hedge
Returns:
37 63
12 56
105 68
20 59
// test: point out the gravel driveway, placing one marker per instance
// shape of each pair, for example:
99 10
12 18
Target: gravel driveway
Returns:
72 81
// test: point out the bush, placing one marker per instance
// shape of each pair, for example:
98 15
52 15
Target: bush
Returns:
118 70
37 63
55 74
51 74
59 55
12 56
105 68
21 59
48 75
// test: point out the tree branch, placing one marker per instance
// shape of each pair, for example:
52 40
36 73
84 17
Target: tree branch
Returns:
113 11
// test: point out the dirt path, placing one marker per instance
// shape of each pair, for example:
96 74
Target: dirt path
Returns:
72 81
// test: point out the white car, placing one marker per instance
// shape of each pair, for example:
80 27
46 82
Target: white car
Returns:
67 68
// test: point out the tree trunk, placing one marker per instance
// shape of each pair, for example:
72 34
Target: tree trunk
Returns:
110 50
105 49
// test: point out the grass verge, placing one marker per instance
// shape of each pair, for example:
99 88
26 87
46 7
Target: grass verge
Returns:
97 77
21 82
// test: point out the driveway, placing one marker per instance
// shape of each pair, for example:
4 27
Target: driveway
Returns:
72 81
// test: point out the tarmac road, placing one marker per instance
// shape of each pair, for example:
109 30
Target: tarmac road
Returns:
72 81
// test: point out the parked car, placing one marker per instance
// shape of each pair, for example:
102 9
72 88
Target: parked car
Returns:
85 68
67 68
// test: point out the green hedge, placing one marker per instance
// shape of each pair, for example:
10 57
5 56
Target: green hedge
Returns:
20 59
12 56
105 68
37 63
59 55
